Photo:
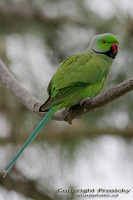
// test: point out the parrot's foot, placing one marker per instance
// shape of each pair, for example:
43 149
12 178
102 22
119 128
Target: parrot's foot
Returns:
67 110
82 101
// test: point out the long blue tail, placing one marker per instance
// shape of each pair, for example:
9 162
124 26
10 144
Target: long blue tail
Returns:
33 135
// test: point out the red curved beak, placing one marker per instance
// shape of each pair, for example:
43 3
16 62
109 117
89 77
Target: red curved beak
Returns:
115 47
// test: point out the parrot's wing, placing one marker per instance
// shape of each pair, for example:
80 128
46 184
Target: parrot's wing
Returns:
84 68
62 95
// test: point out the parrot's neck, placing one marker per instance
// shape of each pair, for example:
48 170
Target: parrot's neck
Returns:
109 53
105 58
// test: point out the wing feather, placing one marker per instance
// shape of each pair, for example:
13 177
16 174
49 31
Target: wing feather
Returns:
62 95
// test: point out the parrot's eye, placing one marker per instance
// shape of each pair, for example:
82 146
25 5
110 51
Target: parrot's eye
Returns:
104 42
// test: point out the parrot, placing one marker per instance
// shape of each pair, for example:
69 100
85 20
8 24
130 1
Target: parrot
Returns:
78 77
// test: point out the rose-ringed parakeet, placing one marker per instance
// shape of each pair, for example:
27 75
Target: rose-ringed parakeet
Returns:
78 77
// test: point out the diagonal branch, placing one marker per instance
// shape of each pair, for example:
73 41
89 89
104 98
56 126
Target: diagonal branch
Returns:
76 111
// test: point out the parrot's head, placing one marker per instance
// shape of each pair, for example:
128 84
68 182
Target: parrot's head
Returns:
105 44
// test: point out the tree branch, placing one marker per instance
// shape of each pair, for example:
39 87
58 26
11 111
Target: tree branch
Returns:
12 11
23 186
76 111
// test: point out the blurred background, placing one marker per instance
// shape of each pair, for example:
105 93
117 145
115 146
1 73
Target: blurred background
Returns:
96 151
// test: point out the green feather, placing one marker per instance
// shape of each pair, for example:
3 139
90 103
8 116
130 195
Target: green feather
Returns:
33 135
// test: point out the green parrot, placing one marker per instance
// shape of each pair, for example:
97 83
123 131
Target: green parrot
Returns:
80 76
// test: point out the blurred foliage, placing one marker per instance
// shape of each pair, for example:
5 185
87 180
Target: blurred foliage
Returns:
35 36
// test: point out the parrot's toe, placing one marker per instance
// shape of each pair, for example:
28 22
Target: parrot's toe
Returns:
82 101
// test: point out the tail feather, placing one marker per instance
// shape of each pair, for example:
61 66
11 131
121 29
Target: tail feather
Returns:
49 114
